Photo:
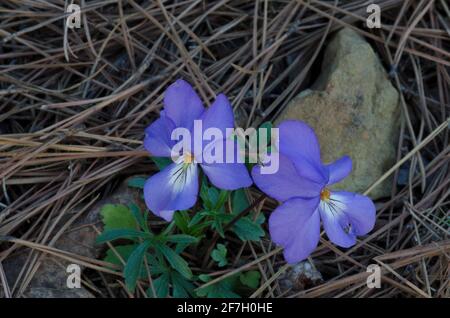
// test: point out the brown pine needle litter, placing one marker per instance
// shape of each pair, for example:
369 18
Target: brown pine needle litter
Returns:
74 104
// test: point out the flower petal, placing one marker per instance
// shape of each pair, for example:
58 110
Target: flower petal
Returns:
359 209
295 225
299 142
157 139
229 175
172 189
286 183
182 104
167 215
337 226
219 115
298 139
313 172
339 169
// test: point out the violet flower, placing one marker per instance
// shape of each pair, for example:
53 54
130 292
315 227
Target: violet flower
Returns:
301 184
176 187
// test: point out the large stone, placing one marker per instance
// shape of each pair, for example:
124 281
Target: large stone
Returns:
354 110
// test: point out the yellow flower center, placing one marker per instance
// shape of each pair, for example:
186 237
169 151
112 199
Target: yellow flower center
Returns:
188 158
325 194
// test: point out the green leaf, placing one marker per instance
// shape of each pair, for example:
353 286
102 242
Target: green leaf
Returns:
204 278
137 182
167 230
180 247
239 201
175 261
181 219
246 229
157 267
213 196
161 162
223 196
218 226
250 279
117 216
111 235
137 214
219 254
181 238
123 250
161 286
204 190
182 288
133 266
223 289
197 218
209 195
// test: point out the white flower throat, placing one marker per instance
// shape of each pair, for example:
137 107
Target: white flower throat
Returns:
183 171
335 208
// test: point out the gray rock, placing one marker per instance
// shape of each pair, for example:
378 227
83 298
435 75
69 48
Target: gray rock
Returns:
354 110
300 276
50 279
40 292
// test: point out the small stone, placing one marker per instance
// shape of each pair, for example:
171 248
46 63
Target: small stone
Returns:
300 276
354 110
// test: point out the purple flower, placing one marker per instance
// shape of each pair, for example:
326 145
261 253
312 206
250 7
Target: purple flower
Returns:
176 187
301 184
